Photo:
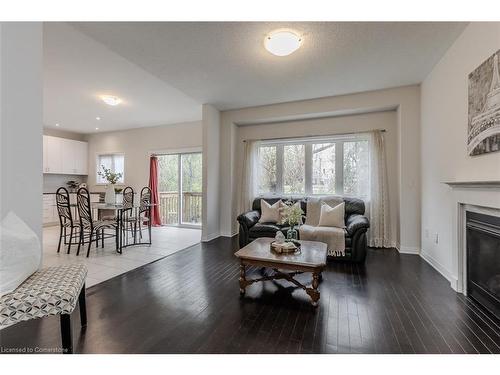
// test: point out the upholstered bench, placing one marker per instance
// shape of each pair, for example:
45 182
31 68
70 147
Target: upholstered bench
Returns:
50 291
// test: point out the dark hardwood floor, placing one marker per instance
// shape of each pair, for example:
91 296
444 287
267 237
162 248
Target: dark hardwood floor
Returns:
189 303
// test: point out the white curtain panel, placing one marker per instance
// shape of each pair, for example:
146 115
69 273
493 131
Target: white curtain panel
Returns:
249 175
378 205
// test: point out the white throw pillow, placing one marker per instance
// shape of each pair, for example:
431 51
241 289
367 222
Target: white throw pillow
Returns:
332 217
270 213
20 253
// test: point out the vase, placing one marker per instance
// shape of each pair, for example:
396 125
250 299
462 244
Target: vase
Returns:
292 234
110 197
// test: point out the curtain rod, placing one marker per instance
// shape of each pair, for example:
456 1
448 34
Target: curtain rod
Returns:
314 136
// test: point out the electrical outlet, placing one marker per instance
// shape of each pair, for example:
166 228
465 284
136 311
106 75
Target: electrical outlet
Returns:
436 239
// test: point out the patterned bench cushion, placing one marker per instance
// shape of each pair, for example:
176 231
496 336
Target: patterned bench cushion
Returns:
50 291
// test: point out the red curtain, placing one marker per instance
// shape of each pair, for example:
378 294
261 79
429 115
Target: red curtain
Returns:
153 185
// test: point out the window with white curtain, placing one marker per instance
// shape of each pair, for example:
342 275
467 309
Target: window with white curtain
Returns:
114 162
321 166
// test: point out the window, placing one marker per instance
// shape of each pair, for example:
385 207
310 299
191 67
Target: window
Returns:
294 169
355 164
267 168
323 168
115 162
337 165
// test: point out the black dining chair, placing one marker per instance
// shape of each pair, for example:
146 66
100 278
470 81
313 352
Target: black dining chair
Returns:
90 227
144 215
65 219
128 219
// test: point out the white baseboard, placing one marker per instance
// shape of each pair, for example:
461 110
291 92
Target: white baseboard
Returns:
228 234
408 250
441 269
454 284
210 237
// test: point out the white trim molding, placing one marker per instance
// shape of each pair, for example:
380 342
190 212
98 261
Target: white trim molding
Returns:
210 237
439 267
228 234
477 196
408 250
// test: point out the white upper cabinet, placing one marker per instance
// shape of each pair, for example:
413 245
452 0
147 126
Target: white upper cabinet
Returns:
52 155
81 159
64 156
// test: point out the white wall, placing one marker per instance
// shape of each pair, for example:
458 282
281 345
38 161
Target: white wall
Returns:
21 121
335 125
444 138
137 145
406 101
211 180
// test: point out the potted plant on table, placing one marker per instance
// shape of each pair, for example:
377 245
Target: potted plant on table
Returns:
112 178
293 216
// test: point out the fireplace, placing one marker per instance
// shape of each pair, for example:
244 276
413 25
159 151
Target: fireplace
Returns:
483 260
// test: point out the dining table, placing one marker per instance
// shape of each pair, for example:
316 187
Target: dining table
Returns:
122 213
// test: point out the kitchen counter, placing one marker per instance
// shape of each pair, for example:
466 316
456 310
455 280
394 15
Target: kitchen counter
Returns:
90 192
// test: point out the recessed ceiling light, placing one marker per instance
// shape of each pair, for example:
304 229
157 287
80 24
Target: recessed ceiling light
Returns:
282 43
57 124
98 118
111 100
96 128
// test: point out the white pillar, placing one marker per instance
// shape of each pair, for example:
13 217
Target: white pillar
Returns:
21 112
211 173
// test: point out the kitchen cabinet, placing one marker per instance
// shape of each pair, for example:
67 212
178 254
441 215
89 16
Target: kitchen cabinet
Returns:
49 209
52 155
64 156
50 215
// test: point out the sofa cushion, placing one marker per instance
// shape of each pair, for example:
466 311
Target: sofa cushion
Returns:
314 207
263 230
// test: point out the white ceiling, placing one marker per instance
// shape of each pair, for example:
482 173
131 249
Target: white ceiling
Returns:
77 69
225 64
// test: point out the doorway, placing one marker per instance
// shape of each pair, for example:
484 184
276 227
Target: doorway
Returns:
180 189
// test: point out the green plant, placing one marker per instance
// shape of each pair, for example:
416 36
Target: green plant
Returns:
118 190
293 213
109 175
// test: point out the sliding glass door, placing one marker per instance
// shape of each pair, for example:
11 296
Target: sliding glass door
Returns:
180 186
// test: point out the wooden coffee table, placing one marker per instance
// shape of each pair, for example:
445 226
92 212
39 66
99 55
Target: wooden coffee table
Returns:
311 258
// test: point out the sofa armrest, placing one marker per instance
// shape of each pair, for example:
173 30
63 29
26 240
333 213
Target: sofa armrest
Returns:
249 219
356 222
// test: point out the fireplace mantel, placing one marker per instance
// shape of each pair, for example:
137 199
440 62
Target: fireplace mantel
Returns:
474 184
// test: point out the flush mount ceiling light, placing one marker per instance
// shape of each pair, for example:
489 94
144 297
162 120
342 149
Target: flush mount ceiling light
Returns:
111 100
282 43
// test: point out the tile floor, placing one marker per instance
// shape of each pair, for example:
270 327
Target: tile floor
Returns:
105 263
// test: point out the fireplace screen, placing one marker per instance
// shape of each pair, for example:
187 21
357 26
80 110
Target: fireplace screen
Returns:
483 260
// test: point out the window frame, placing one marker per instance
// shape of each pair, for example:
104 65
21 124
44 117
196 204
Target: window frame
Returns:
98 166
308 163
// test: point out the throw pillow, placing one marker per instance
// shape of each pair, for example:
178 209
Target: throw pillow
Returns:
332 216
270 213
20 253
